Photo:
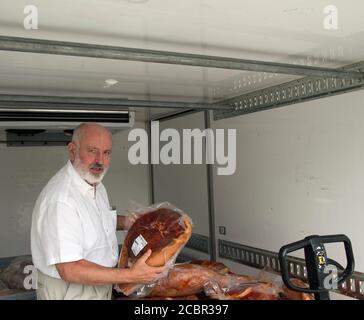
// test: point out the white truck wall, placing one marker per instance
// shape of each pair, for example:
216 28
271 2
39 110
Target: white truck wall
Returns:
185 185
300 171
25 170
126 183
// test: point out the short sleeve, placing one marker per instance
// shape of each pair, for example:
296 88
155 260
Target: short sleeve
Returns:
61 234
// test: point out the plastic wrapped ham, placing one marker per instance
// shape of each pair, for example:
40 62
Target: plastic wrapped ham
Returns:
188 279
3 286
162 228
215 281
217 266
13 275
289 294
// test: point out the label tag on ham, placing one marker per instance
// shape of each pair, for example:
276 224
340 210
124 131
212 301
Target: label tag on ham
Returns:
138 245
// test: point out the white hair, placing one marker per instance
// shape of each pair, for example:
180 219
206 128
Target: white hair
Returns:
78 132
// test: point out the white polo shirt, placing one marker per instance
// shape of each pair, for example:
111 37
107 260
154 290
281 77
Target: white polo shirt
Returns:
72 221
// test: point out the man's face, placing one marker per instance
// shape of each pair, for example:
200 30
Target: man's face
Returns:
92 156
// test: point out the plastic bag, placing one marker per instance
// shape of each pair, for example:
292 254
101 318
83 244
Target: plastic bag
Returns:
265 285
165 230
133 212
214 265
3 286
186 279
267 275
234 286
288 294
13 275
203 278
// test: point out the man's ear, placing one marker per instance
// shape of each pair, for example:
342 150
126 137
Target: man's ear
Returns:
72 149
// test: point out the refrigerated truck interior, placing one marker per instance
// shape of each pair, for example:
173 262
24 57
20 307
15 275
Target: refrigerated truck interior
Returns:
277 83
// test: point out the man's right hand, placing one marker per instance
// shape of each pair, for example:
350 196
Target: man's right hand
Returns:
142 273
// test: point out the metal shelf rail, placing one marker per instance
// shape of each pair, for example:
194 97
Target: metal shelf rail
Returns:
263 259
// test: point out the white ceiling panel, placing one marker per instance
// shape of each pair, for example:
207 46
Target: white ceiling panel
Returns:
286 31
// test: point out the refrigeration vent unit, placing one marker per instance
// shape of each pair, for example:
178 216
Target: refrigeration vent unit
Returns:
36 137
52 127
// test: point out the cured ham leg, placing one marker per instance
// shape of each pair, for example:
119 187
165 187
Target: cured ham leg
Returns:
164 231
188 279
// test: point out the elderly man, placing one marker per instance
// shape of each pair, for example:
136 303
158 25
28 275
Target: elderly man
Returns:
73 233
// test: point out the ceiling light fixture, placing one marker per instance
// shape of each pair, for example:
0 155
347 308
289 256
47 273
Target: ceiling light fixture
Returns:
110 82
137 1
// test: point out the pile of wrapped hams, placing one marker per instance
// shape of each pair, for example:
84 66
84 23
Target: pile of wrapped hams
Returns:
165 230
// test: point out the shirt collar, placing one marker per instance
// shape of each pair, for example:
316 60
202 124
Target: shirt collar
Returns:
80 183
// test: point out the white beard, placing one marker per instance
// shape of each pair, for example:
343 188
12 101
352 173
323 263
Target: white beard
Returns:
86 174
91 178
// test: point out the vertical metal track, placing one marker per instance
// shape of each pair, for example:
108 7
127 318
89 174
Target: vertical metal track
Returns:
210 191
151 176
